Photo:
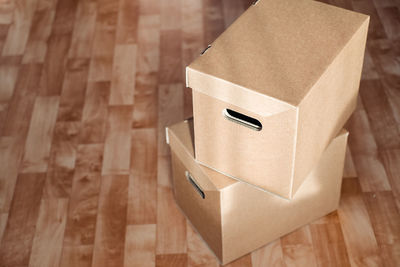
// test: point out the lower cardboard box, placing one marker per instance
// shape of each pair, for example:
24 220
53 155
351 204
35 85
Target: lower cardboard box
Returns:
235 218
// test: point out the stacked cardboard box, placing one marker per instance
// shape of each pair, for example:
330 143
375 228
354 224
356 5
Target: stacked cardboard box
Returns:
265 151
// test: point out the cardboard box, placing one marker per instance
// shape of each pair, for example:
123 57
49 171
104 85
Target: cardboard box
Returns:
235 218
289 70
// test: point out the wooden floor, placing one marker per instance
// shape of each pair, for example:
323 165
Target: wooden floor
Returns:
86 89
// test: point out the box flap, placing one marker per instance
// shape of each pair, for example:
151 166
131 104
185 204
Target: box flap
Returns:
181 136
277 48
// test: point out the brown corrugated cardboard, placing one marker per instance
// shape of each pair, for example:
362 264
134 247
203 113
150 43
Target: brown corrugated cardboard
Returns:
294 66
235 218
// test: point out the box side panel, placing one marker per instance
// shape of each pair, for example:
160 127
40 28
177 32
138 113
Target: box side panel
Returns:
203 213
252 218
262 158
328 105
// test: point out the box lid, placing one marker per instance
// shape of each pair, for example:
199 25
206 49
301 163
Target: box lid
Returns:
276 50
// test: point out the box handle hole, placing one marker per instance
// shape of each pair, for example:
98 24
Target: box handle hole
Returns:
194 184
242 119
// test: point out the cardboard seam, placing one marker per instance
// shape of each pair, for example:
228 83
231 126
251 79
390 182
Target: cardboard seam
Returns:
294 154
248 90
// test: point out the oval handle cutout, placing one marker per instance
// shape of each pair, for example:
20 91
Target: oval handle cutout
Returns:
194 184
242 119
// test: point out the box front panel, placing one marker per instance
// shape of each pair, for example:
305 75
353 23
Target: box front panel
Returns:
201 206
251 218
227 139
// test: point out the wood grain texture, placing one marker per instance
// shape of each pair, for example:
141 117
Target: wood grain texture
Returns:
87 88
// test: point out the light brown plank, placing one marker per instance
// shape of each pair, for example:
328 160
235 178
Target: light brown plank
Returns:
127 22
359 236
111 221
15 248
171 224
142 204
18 33
391 161
123 75
170 111
140 246
118 139
84 29
73 90
62 160
43 18
385 216
146 88
171 16
94 114
10 157
269 255
213 20
365 154
178 260
48 240
349 169
171 57
3 223
8 77
297 248
37 147
21 105
328 244
198 252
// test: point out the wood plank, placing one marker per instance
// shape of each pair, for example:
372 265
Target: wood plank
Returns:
244 261
62 160
213 20
269 255
198 252
297 248
328 244
170 111
73 90
349 168
15 248
37 147
123 75
52 77
43 18
359 236
18 33
65 17
3 223
192 42
104 41
127 22
146 88
171 224
81 221
390 20
391 161
22 103
380 115
171 57
385 216
6 12
84 30
177 260
48 240
362 143
118 140
140 246
171 15
142 204
109 243
10 157
231 10
8 76
94 114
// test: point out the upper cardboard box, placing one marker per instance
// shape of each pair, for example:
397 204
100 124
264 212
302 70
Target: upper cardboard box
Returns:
289 70
277 50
